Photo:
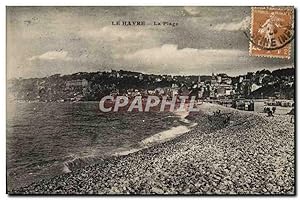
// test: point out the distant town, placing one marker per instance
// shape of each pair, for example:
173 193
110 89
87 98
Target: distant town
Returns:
92 86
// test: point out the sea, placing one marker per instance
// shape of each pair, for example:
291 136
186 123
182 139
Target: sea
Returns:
48 139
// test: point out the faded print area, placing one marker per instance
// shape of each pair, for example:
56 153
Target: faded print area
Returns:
64 63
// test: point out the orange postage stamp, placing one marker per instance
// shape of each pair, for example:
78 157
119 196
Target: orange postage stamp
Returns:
272 30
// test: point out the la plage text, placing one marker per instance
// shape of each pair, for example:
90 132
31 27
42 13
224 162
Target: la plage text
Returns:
143 23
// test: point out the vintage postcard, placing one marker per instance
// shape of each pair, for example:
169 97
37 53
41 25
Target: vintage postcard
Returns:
150 100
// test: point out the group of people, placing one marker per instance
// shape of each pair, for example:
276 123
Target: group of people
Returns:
226 116
270 111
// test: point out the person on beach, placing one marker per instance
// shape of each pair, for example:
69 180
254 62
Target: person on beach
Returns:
274 109
227 120
270 113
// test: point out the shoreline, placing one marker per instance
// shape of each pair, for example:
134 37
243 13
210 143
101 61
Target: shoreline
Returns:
162 136
252 154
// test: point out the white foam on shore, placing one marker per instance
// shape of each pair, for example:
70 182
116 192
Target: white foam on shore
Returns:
163 136
66 168
126 152
166 135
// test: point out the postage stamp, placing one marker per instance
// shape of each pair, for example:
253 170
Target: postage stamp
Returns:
272 30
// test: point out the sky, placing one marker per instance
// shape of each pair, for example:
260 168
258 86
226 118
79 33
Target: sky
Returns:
42 41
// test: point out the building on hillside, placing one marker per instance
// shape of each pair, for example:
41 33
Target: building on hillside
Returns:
227 80
255 87
77 83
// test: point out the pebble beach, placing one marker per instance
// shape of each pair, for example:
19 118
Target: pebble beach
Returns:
248 154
